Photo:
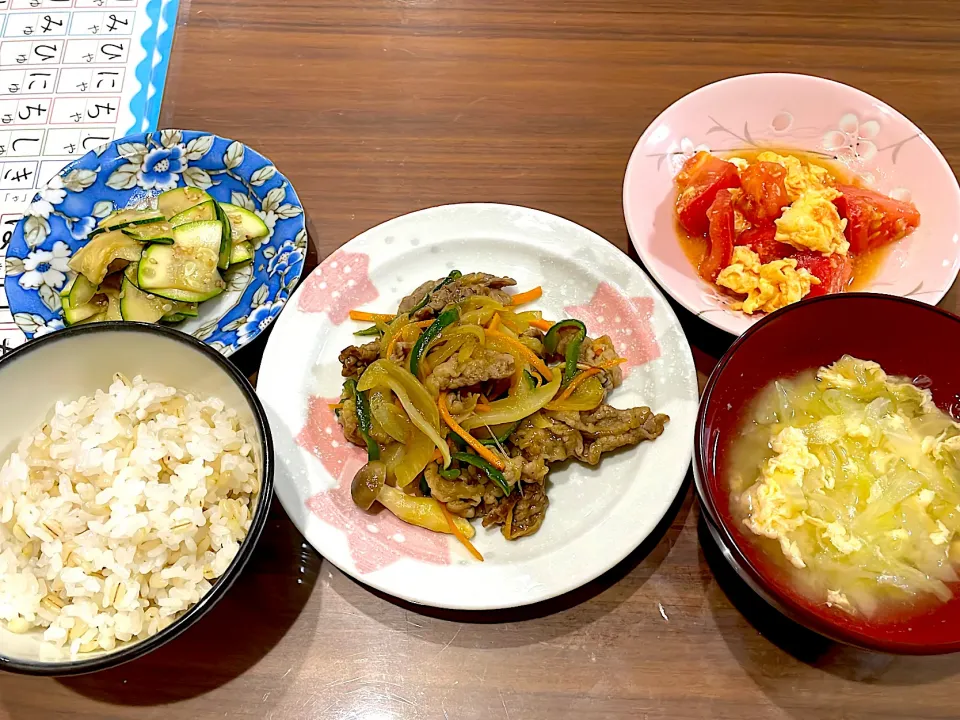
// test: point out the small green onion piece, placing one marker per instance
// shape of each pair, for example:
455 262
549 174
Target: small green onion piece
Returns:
572 353
498 440
365 423
447 317
489 470
449 473
367 332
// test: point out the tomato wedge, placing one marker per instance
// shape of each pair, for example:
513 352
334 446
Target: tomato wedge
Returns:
761 239
699 181
764 192
833 271
874 220
720 214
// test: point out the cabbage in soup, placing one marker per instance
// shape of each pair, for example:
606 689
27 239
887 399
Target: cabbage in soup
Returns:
850 478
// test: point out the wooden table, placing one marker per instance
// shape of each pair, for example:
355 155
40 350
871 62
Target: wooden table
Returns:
374 108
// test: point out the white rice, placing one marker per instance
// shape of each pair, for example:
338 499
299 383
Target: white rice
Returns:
118 513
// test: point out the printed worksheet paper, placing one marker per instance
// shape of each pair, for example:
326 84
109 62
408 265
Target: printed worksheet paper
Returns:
74 74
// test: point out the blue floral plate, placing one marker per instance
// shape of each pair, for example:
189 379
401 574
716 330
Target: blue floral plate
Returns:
124 173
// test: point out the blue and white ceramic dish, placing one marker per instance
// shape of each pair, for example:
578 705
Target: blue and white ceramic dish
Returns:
124 173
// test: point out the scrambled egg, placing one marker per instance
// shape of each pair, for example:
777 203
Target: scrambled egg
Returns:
838 377
942 445
768 286
837 535
776 500
812 222
835 598
942 535
802 177
859 429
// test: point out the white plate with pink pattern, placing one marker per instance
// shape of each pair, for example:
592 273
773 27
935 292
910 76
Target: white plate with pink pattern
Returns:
800 112
597 516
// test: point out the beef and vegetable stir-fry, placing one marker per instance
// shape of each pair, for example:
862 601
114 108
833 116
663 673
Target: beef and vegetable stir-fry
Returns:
463 402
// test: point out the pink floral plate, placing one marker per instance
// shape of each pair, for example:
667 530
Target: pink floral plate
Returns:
887 151
597 516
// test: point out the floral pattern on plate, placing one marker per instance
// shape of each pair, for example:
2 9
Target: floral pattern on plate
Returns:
127 172
582 276
376 539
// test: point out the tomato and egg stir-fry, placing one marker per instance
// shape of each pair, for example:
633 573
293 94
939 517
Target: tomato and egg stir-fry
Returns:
780 228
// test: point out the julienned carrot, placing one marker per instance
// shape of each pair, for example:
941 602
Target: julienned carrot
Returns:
336 407
478 446
495 322
541 324
483 407
365 316
393 341
530 356
528 296
596 369
437 456
459 535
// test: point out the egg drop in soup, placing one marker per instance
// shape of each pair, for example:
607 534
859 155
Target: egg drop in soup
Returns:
849 479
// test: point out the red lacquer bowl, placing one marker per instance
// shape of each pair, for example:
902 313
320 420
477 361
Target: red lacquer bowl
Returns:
907 338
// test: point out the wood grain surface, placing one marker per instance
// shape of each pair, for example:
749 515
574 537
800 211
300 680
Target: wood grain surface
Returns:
374 108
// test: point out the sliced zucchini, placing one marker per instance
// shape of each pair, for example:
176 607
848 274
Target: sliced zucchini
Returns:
100 317
79 291
121 218
157 232
94 258
177 267
187 309
207 210
75 314
226 242
174 202
241 252
203 235
186 296
244 225
130 272
113 304
173 318
138 306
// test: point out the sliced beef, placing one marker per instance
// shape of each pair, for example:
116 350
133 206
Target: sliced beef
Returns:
555 443
599 351
347 417
460 289
606 428
481 366
527 512
356 358
467 487
593 352
519 468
